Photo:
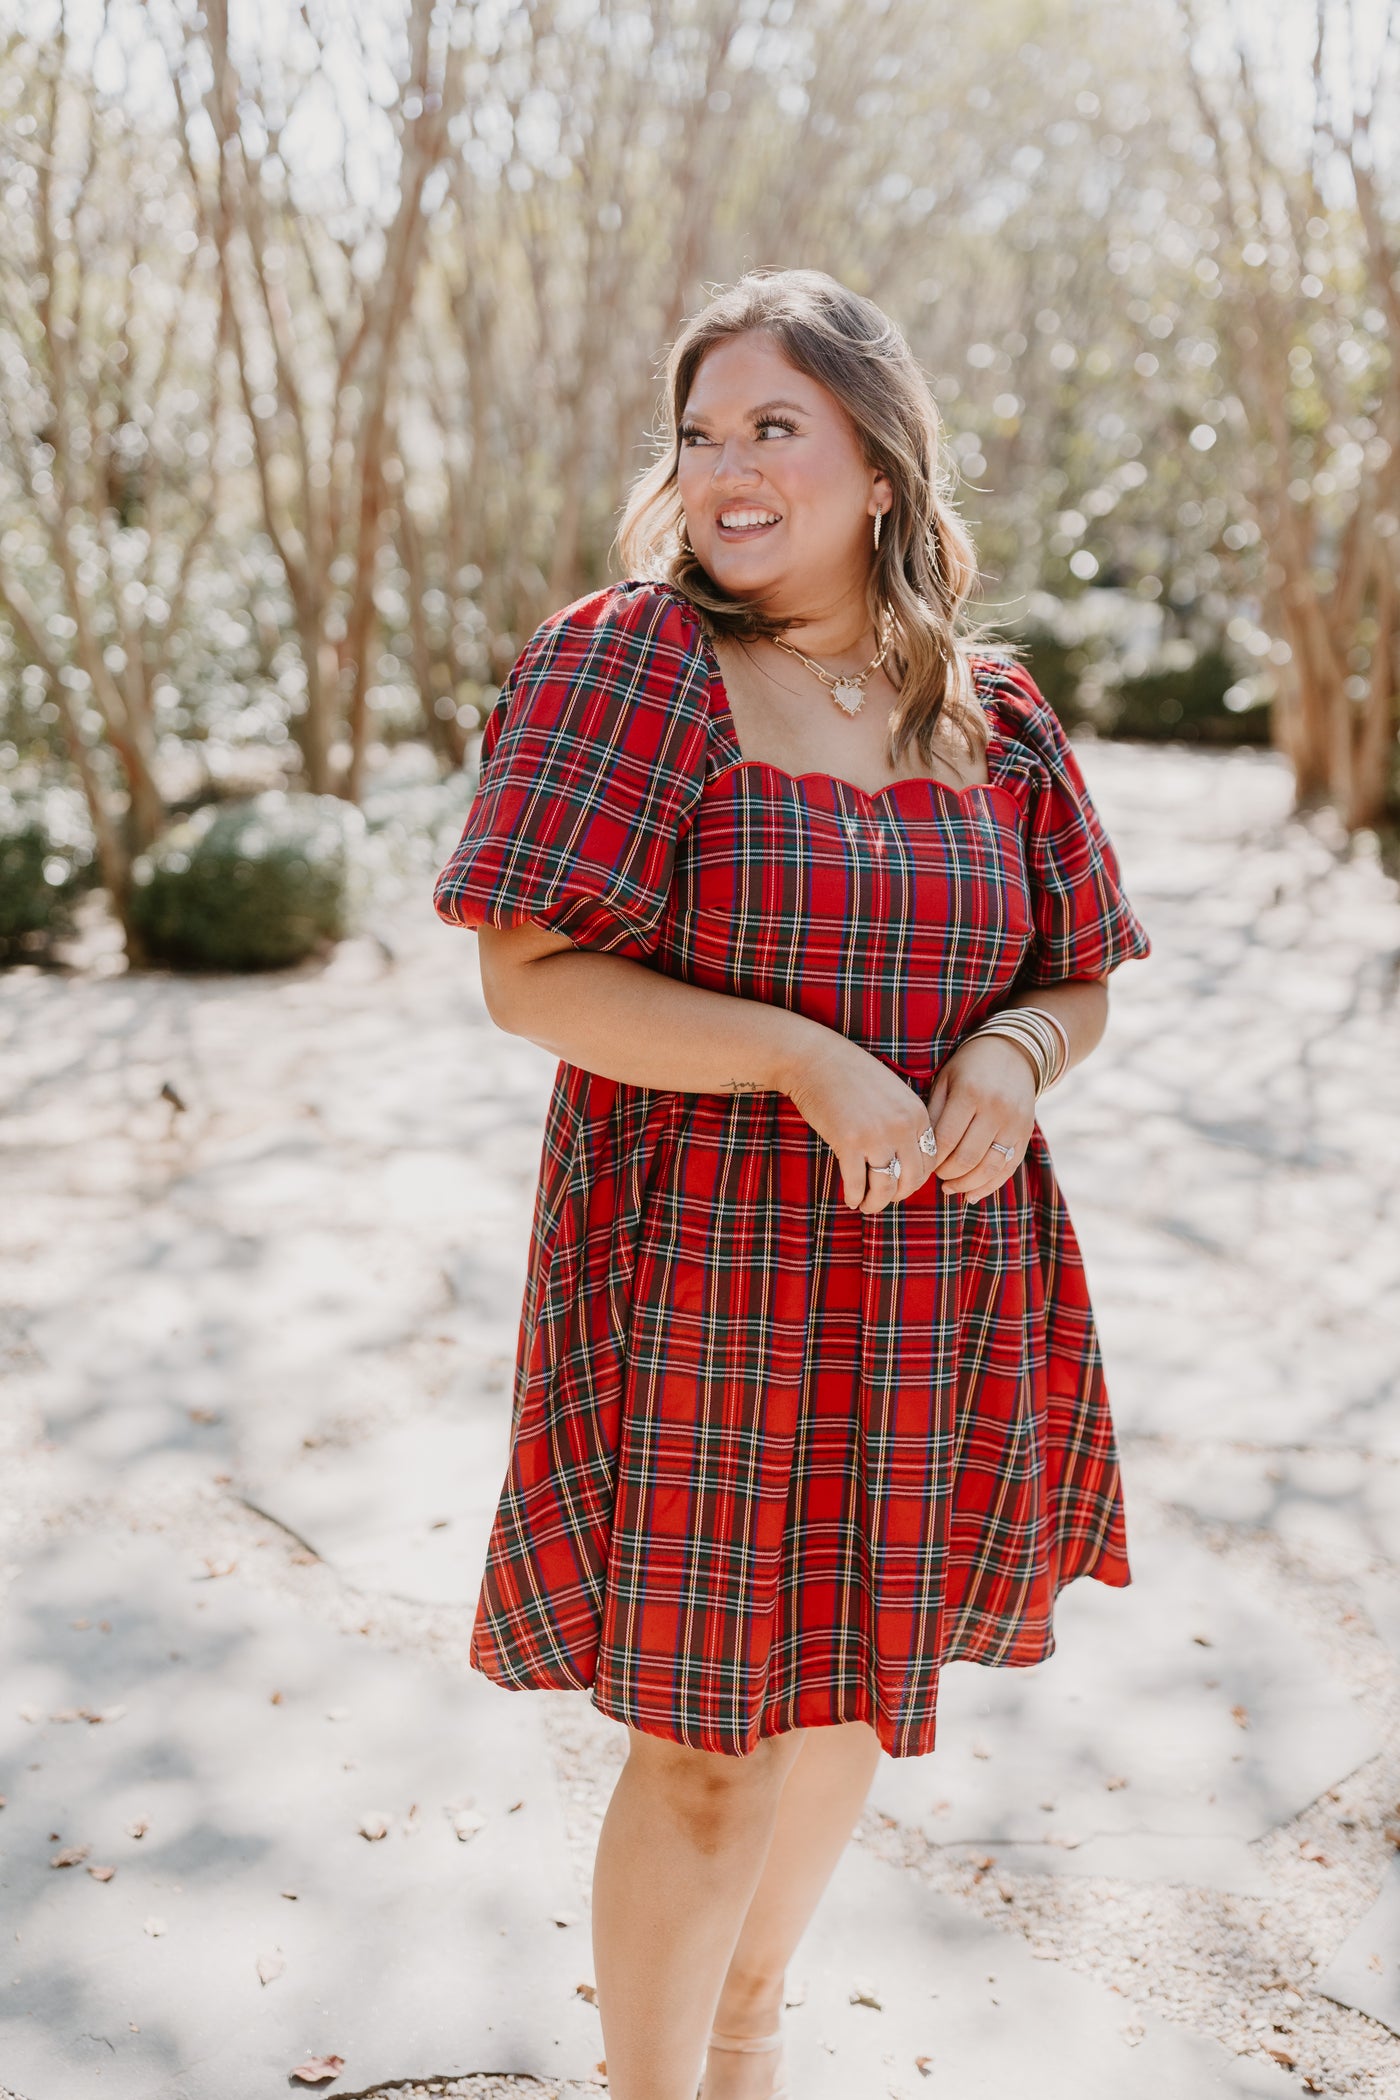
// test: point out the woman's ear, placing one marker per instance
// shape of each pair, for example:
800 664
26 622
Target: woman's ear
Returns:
883 492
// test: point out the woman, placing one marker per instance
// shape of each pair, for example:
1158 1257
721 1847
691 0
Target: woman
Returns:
811 901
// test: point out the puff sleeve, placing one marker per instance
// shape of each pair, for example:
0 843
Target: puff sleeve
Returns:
592 764
1083 924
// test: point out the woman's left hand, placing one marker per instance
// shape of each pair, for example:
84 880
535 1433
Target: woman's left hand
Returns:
984 1093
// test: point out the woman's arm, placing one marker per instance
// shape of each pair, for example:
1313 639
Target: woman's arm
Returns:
1081 1008
620 1019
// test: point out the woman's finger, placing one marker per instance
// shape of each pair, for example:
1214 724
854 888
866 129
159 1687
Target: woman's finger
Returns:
853 1182
985 1185
882 1189
949 1128
968 1157
994 1170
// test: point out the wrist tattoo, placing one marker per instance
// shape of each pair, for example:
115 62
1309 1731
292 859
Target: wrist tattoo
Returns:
743 1086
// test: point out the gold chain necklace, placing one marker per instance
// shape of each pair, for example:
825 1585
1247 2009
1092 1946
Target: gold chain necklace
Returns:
847 692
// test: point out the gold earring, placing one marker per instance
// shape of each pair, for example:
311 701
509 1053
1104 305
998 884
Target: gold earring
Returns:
878 515
681 541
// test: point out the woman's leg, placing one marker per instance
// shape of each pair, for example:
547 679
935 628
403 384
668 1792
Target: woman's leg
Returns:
679 1856
822 1798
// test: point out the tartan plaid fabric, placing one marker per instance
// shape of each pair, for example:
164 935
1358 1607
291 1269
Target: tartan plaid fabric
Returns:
774 1463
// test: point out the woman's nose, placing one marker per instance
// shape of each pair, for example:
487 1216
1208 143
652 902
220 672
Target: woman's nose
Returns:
734 462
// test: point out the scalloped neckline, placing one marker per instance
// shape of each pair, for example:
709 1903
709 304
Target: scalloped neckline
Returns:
718 688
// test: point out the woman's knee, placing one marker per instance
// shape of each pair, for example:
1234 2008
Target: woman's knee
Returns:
720 1799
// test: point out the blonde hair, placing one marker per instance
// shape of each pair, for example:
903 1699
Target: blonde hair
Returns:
925 567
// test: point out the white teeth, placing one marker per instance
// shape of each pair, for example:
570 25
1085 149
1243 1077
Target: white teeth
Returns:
749 517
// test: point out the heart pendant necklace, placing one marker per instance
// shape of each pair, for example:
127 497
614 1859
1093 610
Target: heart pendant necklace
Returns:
848 692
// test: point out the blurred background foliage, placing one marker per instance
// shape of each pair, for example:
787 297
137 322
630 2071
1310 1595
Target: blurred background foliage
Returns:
330 340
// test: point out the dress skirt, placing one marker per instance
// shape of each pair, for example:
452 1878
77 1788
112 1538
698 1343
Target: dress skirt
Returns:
774 1462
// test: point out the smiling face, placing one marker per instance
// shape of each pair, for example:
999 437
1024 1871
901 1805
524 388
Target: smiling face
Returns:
778 499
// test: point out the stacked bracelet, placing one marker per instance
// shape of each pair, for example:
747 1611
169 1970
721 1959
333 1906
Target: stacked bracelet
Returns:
1038 1033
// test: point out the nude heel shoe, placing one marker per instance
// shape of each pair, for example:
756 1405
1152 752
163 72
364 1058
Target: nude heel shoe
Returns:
748 2044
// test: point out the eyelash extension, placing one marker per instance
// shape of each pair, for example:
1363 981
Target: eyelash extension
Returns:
783 422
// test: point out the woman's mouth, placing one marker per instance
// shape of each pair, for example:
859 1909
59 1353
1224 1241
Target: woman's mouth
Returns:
745 522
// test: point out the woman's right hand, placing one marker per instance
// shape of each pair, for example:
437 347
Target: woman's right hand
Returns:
867 1114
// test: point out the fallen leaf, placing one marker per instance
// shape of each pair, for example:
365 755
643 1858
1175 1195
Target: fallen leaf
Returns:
1284 2057
155 1927
513 1807
105 1713
203 1414
1240 1716
588 1991
373 1826
411 1822
563 1917
924 2066
1112 1785
317 2068
1374 1962
1203 1640
137 1829
102 1873
70 1856
1311 1850
213 1567
864 1994
274 1698
984 1862
271 1966
601 2067
466 1823
290 1894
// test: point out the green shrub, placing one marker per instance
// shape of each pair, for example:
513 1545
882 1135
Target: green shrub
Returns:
251 885
1099 670
47 859
1190 702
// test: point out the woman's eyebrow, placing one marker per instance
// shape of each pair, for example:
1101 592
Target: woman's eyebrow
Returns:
693 416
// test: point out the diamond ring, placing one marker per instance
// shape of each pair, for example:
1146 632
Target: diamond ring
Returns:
927 1141
1009 1150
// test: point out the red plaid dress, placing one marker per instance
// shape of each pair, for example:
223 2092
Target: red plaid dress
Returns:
774 1462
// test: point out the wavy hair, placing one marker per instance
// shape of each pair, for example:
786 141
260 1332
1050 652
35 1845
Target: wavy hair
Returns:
925 567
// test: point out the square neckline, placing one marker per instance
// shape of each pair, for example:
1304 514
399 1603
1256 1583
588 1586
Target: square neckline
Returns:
721 710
